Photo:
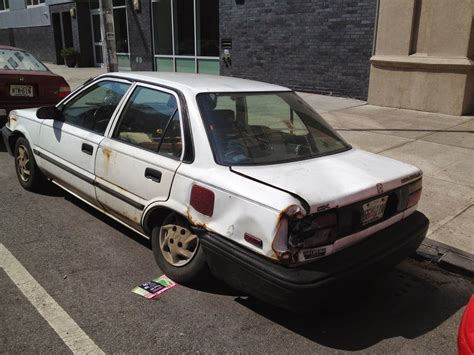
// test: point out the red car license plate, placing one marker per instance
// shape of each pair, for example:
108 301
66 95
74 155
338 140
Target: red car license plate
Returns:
21 90
373 210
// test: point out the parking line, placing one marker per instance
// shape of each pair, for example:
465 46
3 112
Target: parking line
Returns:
67 329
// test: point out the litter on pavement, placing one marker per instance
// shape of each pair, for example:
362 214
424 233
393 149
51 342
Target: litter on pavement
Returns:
155 287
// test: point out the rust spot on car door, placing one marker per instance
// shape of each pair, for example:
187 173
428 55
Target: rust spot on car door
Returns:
107 153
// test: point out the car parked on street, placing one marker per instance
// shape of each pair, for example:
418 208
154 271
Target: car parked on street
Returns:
236 177
26 82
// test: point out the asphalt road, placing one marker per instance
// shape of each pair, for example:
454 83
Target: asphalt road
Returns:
88 264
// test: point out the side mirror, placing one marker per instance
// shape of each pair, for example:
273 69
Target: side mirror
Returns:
48 113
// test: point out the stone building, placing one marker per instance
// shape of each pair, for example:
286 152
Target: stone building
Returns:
424 56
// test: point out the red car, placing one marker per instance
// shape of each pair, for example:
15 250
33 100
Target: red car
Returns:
466 330
26 82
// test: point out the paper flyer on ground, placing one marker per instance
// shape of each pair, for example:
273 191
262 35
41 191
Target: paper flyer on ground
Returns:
155 287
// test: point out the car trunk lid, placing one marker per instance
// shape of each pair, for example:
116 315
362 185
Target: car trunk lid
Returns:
15 86
336 180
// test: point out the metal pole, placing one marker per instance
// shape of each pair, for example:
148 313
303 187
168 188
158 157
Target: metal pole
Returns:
109 35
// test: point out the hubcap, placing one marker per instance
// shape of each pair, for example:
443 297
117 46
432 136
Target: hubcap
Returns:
178 245
23 160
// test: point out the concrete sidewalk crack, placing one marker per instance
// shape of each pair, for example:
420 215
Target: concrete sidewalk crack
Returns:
448 219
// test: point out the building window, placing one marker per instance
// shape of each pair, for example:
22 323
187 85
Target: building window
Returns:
186 35
4 5
34 2
121 34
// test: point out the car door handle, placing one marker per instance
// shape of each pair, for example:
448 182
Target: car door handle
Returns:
87 148
153 175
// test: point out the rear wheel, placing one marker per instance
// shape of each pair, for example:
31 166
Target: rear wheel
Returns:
28 173
177 250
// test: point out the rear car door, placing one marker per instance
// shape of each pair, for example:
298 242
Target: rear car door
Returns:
137 162
68 146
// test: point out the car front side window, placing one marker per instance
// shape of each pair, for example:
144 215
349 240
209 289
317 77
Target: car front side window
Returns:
150 120
93 108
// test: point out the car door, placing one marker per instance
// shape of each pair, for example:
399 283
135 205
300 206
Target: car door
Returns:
68 146
137 162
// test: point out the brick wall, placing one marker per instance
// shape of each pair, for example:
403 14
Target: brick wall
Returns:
318 46
5 37
139 33
39 41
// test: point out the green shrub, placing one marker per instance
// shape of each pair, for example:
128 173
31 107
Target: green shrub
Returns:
69 52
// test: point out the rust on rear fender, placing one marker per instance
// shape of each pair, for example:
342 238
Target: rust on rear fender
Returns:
291 212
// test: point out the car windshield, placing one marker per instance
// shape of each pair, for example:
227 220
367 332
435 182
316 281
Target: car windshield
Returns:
265 128
18 60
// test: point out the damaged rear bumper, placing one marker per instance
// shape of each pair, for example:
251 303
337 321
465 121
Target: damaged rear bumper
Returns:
304 286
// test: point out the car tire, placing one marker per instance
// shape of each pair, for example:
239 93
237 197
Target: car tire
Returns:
28 173
177 251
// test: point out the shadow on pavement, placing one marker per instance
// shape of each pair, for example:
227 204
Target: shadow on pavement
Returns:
107 220
2 145
398 304
404 302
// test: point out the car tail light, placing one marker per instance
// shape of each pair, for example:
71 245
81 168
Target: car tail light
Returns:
202 200
314 230
414 193
249 238
63 91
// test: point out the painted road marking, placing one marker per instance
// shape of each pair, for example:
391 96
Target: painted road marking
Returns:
68 330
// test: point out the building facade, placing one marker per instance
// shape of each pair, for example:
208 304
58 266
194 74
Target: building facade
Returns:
320 46
417 53
424 56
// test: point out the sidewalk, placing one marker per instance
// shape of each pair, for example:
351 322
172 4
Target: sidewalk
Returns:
441 145
75 76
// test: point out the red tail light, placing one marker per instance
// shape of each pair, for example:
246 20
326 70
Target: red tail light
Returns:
314 230
249 238
63 91
202 200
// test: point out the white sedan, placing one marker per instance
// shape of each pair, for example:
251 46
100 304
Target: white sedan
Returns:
232 176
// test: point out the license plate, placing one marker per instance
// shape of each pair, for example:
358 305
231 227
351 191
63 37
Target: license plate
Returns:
373 210
21 90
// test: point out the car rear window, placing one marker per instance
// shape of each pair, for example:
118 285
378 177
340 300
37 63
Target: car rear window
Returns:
265 128
19 60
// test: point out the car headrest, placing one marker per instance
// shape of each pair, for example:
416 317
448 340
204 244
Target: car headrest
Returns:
222 118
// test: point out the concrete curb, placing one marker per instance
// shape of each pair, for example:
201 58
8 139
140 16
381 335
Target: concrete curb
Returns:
446 256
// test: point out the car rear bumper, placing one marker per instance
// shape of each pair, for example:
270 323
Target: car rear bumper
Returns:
6 133
303 287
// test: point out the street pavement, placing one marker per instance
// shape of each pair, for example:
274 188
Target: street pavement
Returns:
88 264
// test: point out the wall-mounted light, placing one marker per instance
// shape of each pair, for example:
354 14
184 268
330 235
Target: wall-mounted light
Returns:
136 5
72 12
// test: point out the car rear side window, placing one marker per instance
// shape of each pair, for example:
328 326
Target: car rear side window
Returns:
151 121
93 108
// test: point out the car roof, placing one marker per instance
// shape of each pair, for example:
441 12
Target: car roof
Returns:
199 83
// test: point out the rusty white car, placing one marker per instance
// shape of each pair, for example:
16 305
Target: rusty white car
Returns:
234 177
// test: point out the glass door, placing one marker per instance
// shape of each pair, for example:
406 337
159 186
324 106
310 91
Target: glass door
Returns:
97 38
186 35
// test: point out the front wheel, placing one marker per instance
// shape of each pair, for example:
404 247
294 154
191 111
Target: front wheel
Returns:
177 250
29 175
